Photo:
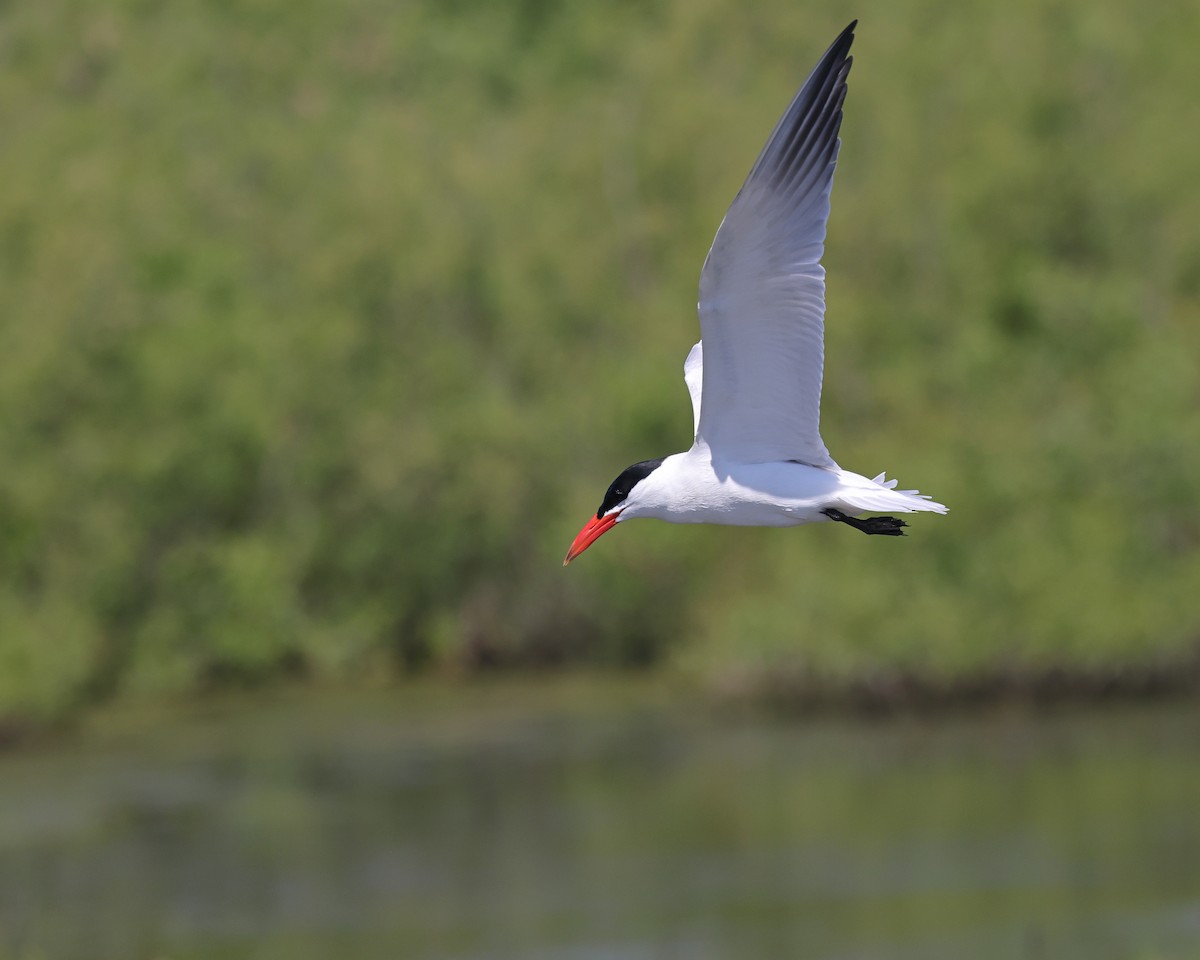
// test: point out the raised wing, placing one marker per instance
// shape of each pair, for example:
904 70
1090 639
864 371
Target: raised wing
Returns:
762 290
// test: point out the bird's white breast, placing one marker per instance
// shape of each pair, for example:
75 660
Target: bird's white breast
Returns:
692 487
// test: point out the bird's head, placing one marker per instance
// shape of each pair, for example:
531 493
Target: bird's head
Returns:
626 497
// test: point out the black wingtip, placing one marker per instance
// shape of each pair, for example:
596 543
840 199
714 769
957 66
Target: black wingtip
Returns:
839 50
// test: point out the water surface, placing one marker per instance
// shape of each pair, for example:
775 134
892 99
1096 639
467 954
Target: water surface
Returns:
505 822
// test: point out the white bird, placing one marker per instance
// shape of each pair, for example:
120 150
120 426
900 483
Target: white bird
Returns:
755 376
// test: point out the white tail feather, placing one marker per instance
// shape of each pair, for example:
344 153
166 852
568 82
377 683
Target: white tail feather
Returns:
880 494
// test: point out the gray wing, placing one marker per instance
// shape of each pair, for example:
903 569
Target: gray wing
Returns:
762 290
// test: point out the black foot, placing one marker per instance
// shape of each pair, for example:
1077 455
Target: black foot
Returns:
874 526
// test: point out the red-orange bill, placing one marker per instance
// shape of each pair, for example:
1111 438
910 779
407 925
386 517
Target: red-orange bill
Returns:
591 532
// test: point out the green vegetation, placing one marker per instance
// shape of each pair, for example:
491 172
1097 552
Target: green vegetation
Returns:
324 327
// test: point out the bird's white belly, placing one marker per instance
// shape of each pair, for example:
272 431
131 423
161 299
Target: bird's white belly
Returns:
751 495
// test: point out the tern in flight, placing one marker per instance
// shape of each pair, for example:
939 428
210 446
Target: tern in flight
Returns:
755 375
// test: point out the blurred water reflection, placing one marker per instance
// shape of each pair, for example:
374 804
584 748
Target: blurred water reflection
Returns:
502 826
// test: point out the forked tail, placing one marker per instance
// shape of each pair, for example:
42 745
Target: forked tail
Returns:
881 495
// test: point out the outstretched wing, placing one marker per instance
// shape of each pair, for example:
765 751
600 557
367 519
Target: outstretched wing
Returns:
762 290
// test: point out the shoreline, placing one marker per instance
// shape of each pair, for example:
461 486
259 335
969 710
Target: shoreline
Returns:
888 693
795 693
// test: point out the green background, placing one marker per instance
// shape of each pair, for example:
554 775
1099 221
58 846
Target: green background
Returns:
323 328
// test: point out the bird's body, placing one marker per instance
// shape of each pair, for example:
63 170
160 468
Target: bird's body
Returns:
755 378
695 487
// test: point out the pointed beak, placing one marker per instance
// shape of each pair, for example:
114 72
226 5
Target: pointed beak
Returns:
591 532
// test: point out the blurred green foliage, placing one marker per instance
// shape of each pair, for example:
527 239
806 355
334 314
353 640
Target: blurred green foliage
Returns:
324 326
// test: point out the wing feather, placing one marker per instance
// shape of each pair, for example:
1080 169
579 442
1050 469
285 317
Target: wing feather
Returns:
693 376
762 290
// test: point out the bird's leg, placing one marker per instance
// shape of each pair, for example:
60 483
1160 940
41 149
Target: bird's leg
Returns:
878 526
